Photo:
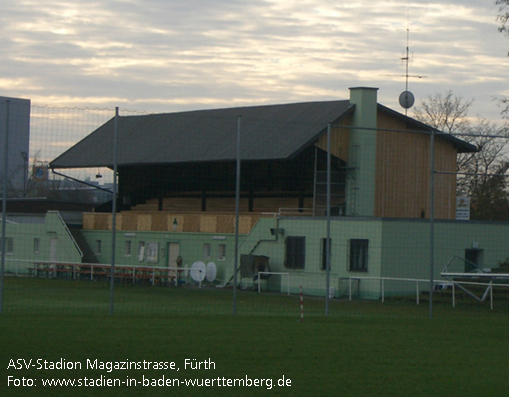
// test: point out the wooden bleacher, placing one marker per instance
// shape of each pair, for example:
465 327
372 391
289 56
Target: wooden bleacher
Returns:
183 214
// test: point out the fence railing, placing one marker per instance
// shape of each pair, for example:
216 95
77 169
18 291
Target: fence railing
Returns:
437 285
92 271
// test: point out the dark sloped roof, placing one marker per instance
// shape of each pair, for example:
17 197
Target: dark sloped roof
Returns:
267 133
271 132
460 145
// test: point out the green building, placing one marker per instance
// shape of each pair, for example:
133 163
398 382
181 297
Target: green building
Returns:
177 188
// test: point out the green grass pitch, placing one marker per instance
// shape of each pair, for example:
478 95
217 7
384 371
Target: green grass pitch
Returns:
360 349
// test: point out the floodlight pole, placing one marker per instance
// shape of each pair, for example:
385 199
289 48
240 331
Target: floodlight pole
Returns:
114 209
432 223
4 203
328 240
237 211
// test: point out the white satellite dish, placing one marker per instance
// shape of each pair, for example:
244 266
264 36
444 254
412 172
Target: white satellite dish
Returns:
406 99
211 271
198 270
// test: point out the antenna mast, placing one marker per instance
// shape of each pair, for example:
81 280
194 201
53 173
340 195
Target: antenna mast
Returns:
406 98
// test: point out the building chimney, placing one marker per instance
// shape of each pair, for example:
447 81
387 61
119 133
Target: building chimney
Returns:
360 188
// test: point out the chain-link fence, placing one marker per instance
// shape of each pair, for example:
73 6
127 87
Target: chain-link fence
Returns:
323 204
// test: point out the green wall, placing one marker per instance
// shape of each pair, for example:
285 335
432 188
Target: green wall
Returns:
24 230
312 278
397 248
191 248
406 248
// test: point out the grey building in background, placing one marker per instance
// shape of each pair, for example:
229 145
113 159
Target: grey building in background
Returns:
18 144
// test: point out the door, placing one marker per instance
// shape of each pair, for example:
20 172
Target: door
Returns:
53 245
173 250
472 257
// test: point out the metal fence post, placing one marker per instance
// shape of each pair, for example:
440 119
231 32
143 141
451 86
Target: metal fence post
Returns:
114 211
4 204
237 210
432 222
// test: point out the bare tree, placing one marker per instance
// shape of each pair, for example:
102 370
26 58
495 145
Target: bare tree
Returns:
503 18
481 175
446 112
503 15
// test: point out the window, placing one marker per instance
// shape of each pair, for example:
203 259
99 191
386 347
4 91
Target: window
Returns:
206 251
9 246
295 252
323 261
36 245
127 248
98 247
152 252
221 252
141 251
359 255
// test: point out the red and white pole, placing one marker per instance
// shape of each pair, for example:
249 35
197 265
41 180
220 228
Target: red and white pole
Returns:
301 305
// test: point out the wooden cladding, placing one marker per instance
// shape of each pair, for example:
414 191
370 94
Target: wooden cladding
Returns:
403 173
340 141
167 222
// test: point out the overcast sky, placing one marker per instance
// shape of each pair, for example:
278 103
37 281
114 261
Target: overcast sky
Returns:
168 55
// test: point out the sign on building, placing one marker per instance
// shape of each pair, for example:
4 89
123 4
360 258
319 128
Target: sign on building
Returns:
463 208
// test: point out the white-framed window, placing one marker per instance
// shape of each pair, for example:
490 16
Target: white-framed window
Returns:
37 243
127 248
206 251
221 252
152 252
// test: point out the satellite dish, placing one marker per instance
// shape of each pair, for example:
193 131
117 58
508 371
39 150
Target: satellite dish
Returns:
198 271
406 99
211 271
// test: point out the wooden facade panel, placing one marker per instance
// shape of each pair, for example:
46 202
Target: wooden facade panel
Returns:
88 221
145 222
225 224
159 222
445 184
129 221
403 173
245 224
102 222
208 223
339 141
191 223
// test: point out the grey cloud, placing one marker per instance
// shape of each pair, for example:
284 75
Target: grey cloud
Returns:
151 53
